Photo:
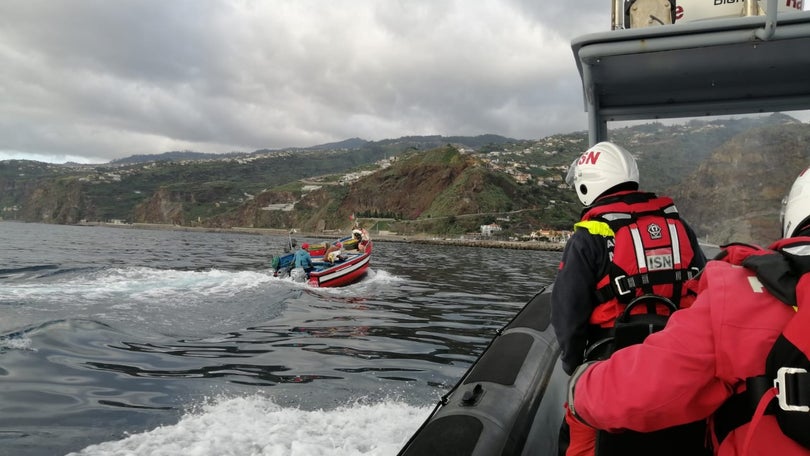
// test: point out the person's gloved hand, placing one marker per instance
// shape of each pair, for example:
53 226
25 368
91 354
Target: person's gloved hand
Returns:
572 384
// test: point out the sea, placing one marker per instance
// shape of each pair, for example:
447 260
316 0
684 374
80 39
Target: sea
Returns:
123 341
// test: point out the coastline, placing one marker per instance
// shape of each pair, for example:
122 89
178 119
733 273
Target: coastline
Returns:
415 239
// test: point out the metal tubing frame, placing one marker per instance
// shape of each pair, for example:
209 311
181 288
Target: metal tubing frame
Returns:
617 11
597 119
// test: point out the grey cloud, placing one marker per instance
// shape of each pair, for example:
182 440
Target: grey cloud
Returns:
106 79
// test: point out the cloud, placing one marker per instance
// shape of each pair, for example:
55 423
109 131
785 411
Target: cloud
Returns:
99 79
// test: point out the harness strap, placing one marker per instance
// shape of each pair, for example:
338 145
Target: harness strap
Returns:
624 285
742 407
792 389
739 408
759 412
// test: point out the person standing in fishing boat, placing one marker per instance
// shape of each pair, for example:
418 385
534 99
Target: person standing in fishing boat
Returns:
361 236
276 263
627 244
303 259
744 340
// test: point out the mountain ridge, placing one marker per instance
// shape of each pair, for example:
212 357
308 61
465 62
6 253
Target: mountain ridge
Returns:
441 185
428 141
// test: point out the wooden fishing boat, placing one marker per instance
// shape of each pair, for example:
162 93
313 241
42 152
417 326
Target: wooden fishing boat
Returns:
511 399
347 268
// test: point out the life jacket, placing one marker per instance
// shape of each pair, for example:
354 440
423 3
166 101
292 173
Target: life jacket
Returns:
649 253
784 388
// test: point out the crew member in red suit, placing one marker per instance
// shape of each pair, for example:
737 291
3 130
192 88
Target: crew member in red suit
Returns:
696 366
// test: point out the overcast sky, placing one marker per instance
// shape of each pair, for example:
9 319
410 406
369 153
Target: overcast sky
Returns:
95 80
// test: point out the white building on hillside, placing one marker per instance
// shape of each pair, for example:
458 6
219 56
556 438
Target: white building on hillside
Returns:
488 230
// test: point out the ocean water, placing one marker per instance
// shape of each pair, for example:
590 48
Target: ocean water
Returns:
119 341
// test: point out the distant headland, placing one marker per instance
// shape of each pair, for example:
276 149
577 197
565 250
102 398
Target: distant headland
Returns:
377 237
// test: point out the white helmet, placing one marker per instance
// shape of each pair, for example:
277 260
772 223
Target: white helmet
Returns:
600 168
796 205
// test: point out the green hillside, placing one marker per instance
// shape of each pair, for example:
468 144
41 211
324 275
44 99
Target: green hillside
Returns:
432 184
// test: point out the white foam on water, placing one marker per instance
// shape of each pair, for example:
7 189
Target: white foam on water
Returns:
257 426
139 284
169 301
373 279
16 343
126 286
382 277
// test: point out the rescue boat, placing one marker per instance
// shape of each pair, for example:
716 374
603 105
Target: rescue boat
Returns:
689 61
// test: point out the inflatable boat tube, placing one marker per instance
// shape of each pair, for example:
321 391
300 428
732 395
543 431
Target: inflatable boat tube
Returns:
511 399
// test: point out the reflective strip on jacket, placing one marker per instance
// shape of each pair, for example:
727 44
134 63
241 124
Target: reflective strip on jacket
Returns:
585 267
649 239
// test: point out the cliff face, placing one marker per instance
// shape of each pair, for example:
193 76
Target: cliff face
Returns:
257 213
40 192
433 186
410 187
57 202
163 206
406 189
736 194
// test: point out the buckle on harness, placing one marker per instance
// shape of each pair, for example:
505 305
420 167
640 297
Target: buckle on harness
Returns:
619 286
782 388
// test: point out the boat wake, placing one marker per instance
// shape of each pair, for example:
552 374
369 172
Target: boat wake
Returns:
27 272
139 284
182 299
256 425
373 278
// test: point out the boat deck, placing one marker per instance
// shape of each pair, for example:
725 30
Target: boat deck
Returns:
711 67
347 255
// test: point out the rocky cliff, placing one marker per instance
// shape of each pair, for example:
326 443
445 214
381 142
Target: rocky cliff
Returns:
434 186
736 193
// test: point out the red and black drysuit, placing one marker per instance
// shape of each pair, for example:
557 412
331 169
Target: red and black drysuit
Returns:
713 353
626 244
